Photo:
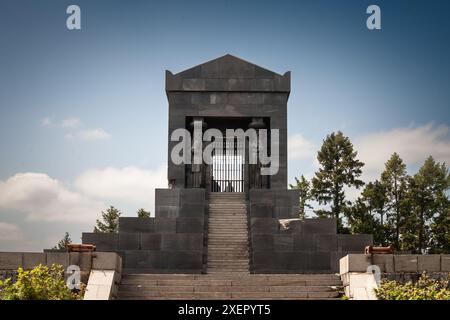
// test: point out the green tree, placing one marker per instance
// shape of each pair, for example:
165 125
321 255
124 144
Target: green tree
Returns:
142 213
64 242
304 187
394 180
110 221
339 168
361 219
440 229
41 283
374 194
366 215
427 198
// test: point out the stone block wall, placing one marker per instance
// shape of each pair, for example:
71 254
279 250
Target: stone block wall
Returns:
171 242
305 246
86 261
359 281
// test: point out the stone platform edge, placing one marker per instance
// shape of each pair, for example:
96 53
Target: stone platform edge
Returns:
100 270
359 271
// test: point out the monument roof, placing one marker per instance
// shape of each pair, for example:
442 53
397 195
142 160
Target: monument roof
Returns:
228 73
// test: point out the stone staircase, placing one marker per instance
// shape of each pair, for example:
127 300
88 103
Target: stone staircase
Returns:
228 243
229 287
228 275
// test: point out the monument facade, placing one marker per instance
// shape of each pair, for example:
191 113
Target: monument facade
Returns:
225 215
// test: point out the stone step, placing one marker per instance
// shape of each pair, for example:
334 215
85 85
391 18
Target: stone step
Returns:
225 233
216 256
214 288
264 277
227 258
230 243
227 213
226 281
228 232
234 220
238 248
228 207
227 267
229 253
229 295
230 222
214 263
227 222
236 236
228 248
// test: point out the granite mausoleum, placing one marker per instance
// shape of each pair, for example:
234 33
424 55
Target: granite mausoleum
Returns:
226 217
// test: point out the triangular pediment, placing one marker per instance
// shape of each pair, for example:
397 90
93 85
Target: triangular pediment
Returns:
227 66
227 73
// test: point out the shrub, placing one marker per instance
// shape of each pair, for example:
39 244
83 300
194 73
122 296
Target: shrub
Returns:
41 283
424 289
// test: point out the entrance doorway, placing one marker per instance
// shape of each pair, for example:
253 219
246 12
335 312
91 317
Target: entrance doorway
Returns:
227 174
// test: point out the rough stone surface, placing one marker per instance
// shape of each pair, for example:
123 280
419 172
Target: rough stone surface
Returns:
10 260
429 263
384 261
445 262
405 263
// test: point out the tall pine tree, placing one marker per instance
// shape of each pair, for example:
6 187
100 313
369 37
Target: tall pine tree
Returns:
339 168
394 180
367 214
427 198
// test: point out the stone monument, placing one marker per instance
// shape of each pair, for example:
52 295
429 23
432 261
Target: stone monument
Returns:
225 215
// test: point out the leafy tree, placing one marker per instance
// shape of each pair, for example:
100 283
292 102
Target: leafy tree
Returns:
362 216
64 242
110 221
425 288
394 180
339 168
142 213
41 283
427 198
374 194
361 219
304 187
440 228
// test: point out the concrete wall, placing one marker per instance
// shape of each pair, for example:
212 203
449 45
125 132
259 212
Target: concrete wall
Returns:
93 268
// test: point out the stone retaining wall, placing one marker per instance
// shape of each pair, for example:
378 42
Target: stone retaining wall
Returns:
359 281
172 242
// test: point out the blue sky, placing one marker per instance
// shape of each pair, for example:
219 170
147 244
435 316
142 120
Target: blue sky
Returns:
83 114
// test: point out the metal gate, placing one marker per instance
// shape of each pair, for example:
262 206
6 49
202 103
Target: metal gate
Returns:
228 167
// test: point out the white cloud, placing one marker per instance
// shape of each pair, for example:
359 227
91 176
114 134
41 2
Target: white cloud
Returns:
45 122
413 144
42 198
10 232
94 134
70 123
300 148
129 185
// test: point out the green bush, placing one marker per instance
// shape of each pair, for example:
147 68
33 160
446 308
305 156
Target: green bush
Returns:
41 283
424 289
